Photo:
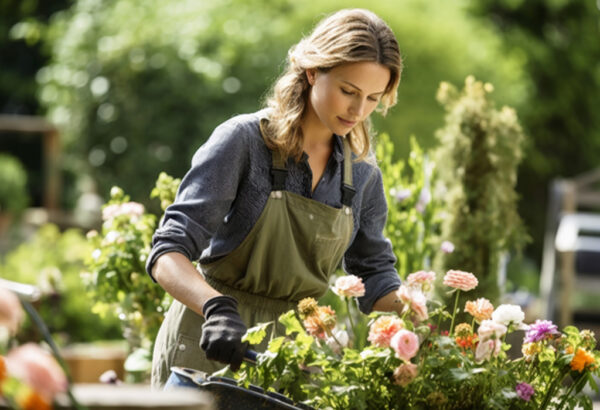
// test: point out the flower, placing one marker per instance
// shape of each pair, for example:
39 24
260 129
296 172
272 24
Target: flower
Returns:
132 209
307 307
581 359
422 279
414 299
486 348
349 286
405 373
540 330
29 399
447 247
383 329
338 342
481 309
507 314
490 329
529 350
38 369
322 321
400 194
424 199
11 313
405 343
458 279
524 391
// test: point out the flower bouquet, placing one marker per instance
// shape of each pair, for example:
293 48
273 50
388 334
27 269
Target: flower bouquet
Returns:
415 360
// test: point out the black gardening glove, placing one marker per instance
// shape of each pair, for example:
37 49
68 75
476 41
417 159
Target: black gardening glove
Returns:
222 331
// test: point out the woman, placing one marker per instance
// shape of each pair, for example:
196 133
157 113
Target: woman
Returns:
276 199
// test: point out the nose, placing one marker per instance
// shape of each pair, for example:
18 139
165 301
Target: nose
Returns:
357 108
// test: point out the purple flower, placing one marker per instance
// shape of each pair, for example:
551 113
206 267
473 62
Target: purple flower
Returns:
447 247
424 199
400 194
524 391
540 330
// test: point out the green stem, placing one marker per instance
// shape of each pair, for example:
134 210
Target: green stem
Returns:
454 313
35 318
350 316
571 388
550 392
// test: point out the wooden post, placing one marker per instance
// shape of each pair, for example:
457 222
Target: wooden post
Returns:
567 260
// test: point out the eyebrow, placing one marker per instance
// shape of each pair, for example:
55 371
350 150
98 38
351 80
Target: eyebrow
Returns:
352 85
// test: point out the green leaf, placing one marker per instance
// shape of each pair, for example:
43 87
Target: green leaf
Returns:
459 374
256 334
291 323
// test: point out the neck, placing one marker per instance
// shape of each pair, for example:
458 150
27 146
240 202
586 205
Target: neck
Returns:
313 130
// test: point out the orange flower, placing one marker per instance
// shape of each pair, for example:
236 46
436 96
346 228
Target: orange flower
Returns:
466 342
30 400
2 369
320 322
581 359
481 309
383 329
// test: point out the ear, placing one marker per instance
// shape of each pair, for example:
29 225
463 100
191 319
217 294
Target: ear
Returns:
311 74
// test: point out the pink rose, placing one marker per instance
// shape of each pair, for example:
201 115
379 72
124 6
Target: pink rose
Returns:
485 349
405 373
490 330
421 278
481 309
11 313
38 369
414 299
382 330
131 209
405 343
458 279
349 286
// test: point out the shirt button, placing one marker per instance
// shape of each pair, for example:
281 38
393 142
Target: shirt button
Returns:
347 210
311 216
181 347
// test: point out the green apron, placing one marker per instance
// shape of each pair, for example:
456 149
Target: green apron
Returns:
290 254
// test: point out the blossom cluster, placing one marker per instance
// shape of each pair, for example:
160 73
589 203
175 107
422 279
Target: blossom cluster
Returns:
410 359
30 378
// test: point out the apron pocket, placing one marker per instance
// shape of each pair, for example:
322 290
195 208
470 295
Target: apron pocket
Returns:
332 250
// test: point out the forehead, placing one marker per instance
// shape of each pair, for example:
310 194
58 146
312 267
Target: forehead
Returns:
369 76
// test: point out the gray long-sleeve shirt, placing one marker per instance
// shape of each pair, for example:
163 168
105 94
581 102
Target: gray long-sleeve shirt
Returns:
223 194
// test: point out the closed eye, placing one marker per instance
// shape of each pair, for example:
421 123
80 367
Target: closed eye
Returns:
344 91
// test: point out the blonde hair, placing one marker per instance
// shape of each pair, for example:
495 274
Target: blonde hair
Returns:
347 36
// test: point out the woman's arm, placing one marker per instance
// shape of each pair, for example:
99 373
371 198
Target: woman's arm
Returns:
178 276
389 303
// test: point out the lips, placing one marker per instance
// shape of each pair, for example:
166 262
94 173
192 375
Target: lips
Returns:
346 122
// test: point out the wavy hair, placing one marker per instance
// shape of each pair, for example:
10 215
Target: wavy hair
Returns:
347 36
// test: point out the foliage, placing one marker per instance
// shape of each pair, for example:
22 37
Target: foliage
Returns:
557 42
480 148
456 368
52 260
413 211
13 185
116 278
134 82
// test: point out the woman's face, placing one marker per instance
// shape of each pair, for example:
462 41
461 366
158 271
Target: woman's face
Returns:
347 94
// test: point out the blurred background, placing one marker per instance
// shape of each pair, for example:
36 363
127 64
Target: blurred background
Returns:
101 93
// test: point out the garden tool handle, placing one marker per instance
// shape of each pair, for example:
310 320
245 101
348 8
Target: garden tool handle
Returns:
28 293
250 356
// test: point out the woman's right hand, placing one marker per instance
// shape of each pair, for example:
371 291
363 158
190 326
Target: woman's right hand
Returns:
222 331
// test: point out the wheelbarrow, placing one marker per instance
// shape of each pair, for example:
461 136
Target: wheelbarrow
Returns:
228 395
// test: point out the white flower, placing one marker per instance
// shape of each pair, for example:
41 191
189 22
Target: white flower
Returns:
342 337
96 254
507 314
111 236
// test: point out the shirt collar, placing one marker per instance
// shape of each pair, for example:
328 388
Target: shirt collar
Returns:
338 148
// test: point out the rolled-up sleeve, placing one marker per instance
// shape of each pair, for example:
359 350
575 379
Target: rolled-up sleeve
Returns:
370 255
204 196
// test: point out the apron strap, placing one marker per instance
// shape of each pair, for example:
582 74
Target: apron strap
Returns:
278 167
348 190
